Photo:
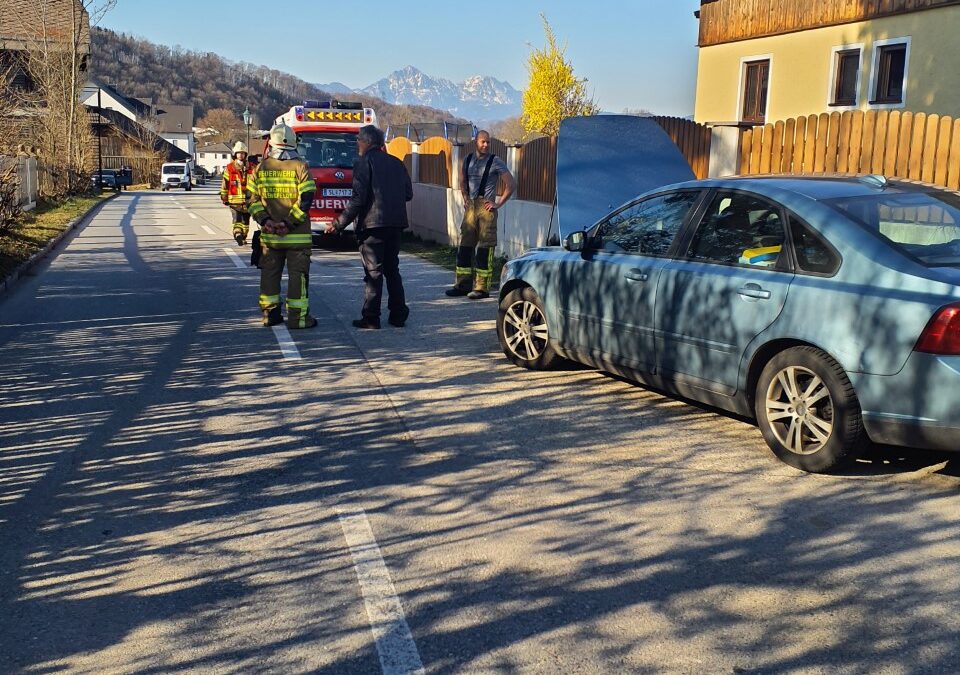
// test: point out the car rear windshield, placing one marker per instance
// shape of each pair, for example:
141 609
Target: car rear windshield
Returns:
172 168
328 149
925 225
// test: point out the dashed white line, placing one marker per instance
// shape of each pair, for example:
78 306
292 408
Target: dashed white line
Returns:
287 346
395 645
235 258
192 215
207 229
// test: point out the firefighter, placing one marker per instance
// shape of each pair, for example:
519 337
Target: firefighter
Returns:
478 230
281 191
233 192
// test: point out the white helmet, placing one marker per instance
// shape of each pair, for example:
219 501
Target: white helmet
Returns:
240 146
282 136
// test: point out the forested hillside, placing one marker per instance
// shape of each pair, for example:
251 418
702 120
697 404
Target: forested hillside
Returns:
140 68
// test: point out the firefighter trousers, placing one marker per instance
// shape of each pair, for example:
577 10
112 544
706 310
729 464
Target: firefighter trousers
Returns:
297 261
241 222
478 240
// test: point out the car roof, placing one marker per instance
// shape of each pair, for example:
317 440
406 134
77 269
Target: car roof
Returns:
815 187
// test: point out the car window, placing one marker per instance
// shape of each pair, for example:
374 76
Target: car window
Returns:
739 229
814 255
647 227
924 224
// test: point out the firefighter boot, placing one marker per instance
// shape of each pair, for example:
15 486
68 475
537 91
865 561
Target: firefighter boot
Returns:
272 317
484 273
240 237
464 274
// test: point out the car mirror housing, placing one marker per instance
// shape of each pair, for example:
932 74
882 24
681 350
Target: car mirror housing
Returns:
575 241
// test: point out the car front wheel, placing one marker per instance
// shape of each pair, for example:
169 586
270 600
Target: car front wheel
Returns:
808 411
523 331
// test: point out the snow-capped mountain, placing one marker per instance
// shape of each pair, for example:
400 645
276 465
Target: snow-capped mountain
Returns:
478 98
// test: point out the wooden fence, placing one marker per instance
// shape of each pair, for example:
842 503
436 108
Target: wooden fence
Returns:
537 170
693 140
402 149
892 143
436 155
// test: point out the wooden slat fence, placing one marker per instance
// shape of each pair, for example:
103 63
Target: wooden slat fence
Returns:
402 149
693 140
436 155
913 146
537 170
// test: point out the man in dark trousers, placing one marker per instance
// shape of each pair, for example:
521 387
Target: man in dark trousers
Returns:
381 190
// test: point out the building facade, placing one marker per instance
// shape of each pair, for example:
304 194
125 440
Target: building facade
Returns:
175 125
767 60
214 158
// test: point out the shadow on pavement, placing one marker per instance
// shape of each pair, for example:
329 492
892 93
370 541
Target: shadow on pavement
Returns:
138 440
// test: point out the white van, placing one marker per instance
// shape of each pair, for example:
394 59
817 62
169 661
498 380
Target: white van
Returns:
175 175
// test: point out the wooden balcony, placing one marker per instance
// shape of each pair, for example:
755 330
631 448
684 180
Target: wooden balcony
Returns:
724 21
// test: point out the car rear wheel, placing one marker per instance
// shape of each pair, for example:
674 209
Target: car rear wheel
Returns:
808 411
523 332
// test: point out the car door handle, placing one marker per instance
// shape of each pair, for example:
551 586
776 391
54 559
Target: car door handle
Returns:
636 275
754 291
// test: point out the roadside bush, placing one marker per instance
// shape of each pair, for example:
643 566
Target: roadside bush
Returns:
10 211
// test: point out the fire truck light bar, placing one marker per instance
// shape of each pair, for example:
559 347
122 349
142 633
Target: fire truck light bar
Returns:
331 116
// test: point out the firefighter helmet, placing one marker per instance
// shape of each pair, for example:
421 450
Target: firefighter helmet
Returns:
282 136
238 147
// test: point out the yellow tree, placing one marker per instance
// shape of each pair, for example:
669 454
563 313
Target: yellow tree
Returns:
554 92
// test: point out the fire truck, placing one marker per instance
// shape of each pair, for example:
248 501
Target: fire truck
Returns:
327 139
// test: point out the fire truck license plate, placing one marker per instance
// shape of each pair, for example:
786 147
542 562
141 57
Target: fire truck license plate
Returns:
337 192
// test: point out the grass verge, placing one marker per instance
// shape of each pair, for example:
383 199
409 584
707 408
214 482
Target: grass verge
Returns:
39 226
445 256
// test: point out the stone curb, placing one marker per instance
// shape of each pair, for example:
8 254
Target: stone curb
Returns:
6 285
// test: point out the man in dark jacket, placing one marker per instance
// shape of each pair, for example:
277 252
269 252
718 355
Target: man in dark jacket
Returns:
381 190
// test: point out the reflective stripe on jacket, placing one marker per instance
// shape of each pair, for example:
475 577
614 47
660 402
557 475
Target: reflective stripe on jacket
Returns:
233 188
281 190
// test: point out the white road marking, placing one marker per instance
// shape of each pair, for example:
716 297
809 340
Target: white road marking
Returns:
207 229
192 215
235 258
287 346
395 645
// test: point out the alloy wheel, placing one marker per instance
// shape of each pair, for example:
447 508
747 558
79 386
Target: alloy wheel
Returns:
799 410
525 330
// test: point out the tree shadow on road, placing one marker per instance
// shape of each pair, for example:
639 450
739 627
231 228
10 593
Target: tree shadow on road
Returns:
167 505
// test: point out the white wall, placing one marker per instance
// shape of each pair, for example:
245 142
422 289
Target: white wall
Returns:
212 162
183 141
436 212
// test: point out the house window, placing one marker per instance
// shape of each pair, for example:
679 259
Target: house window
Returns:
846 77
890 73
756 77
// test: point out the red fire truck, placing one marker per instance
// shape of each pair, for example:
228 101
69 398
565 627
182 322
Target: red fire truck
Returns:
327 135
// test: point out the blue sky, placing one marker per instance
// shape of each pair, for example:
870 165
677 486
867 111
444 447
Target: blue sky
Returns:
639 54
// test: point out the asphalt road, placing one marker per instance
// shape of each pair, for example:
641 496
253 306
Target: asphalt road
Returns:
182 489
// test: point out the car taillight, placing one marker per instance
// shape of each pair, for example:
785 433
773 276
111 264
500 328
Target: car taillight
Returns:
942 334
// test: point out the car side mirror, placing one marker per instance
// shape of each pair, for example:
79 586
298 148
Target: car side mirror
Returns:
575 241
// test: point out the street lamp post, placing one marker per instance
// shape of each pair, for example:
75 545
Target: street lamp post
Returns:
246 121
